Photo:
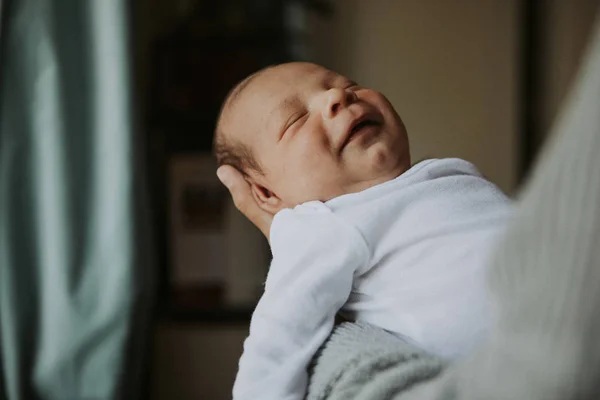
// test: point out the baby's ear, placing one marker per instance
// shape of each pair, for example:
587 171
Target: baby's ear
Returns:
267 200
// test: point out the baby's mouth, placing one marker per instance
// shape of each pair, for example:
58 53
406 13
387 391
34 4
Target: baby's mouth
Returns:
360 126
363 124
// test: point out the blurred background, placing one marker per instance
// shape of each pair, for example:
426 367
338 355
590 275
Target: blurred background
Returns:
481 80
476 79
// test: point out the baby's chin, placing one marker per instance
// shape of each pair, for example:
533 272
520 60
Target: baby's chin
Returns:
386 159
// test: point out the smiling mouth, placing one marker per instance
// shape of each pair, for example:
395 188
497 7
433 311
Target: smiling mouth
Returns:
363 124
360 127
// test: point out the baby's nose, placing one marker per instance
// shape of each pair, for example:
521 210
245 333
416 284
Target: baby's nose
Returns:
338 99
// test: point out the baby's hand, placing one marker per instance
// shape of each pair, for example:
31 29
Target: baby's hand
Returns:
242 197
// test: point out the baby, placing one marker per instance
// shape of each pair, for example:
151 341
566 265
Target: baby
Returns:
356 228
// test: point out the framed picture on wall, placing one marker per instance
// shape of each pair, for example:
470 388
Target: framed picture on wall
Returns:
198 232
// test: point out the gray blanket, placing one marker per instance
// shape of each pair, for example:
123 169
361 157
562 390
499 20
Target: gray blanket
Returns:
362 362
544 274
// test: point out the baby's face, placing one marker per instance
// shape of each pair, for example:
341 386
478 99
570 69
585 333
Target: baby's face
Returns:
316 134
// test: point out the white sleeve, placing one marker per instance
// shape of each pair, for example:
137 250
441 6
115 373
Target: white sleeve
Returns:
315 256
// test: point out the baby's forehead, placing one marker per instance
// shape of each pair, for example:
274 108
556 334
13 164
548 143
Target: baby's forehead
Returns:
246 109
287 78
255 102
260 97
278 84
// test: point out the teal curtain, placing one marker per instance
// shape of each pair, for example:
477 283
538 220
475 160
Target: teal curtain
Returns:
74 274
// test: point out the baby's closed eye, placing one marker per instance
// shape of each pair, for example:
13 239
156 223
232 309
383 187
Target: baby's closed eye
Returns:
293 120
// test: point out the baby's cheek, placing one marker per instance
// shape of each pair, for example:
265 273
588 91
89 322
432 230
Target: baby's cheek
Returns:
312 149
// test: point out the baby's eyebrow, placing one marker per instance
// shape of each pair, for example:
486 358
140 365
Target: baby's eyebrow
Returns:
287 104
280 116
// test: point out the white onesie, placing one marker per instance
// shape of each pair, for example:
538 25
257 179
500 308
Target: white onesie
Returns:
408 256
